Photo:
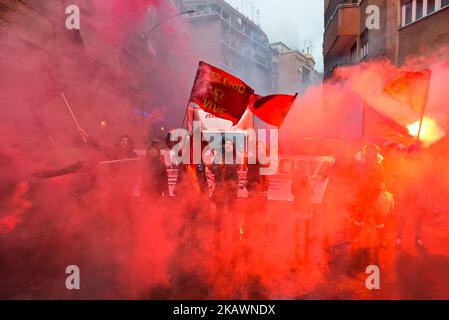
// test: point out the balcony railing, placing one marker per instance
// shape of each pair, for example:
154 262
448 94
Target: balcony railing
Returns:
335 63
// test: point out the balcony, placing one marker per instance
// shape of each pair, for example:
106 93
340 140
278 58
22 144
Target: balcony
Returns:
331 5
342 27
335 62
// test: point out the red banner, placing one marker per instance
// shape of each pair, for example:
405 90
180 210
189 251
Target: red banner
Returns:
220 93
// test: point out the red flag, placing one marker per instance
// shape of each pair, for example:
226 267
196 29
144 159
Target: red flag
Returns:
273 109
220 93
379 126
410 88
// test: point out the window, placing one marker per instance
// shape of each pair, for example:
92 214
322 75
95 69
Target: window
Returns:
353 53
430 6
364 51
419 9
200 8
306 75
216 8
413 10
364 45
407 9
225 16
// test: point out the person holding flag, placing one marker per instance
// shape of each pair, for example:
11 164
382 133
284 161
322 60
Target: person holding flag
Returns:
411 88
225 96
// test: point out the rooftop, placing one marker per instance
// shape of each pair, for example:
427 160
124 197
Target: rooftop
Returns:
288 50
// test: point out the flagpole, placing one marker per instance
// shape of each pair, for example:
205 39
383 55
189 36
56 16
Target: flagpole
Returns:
120 161
423 112
73 116
420 126
190 97
185 116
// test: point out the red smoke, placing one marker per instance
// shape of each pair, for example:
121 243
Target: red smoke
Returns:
143 247
337 105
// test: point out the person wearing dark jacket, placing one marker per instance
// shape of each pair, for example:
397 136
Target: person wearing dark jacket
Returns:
302 205
123 149
370 185
255 213
154 177
413 200
193 202
225 190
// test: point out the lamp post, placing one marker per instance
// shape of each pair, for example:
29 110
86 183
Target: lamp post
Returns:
165 20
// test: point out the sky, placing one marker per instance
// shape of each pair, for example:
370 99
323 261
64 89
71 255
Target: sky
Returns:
294 22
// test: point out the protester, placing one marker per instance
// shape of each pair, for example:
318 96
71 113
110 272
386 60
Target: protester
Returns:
93 156
255 213
154 176
302 204
225 190
370 185
412 199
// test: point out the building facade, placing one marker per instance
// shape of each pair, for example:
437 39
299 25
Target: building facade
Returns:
295 70
407 28
226 38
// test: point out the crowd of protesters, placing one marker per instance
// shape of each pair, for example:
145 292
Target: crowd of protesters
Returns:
380 188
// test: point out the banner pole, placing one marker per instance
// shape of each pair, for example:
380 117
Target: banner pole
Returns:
185 116
420 126
423 112
73 116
